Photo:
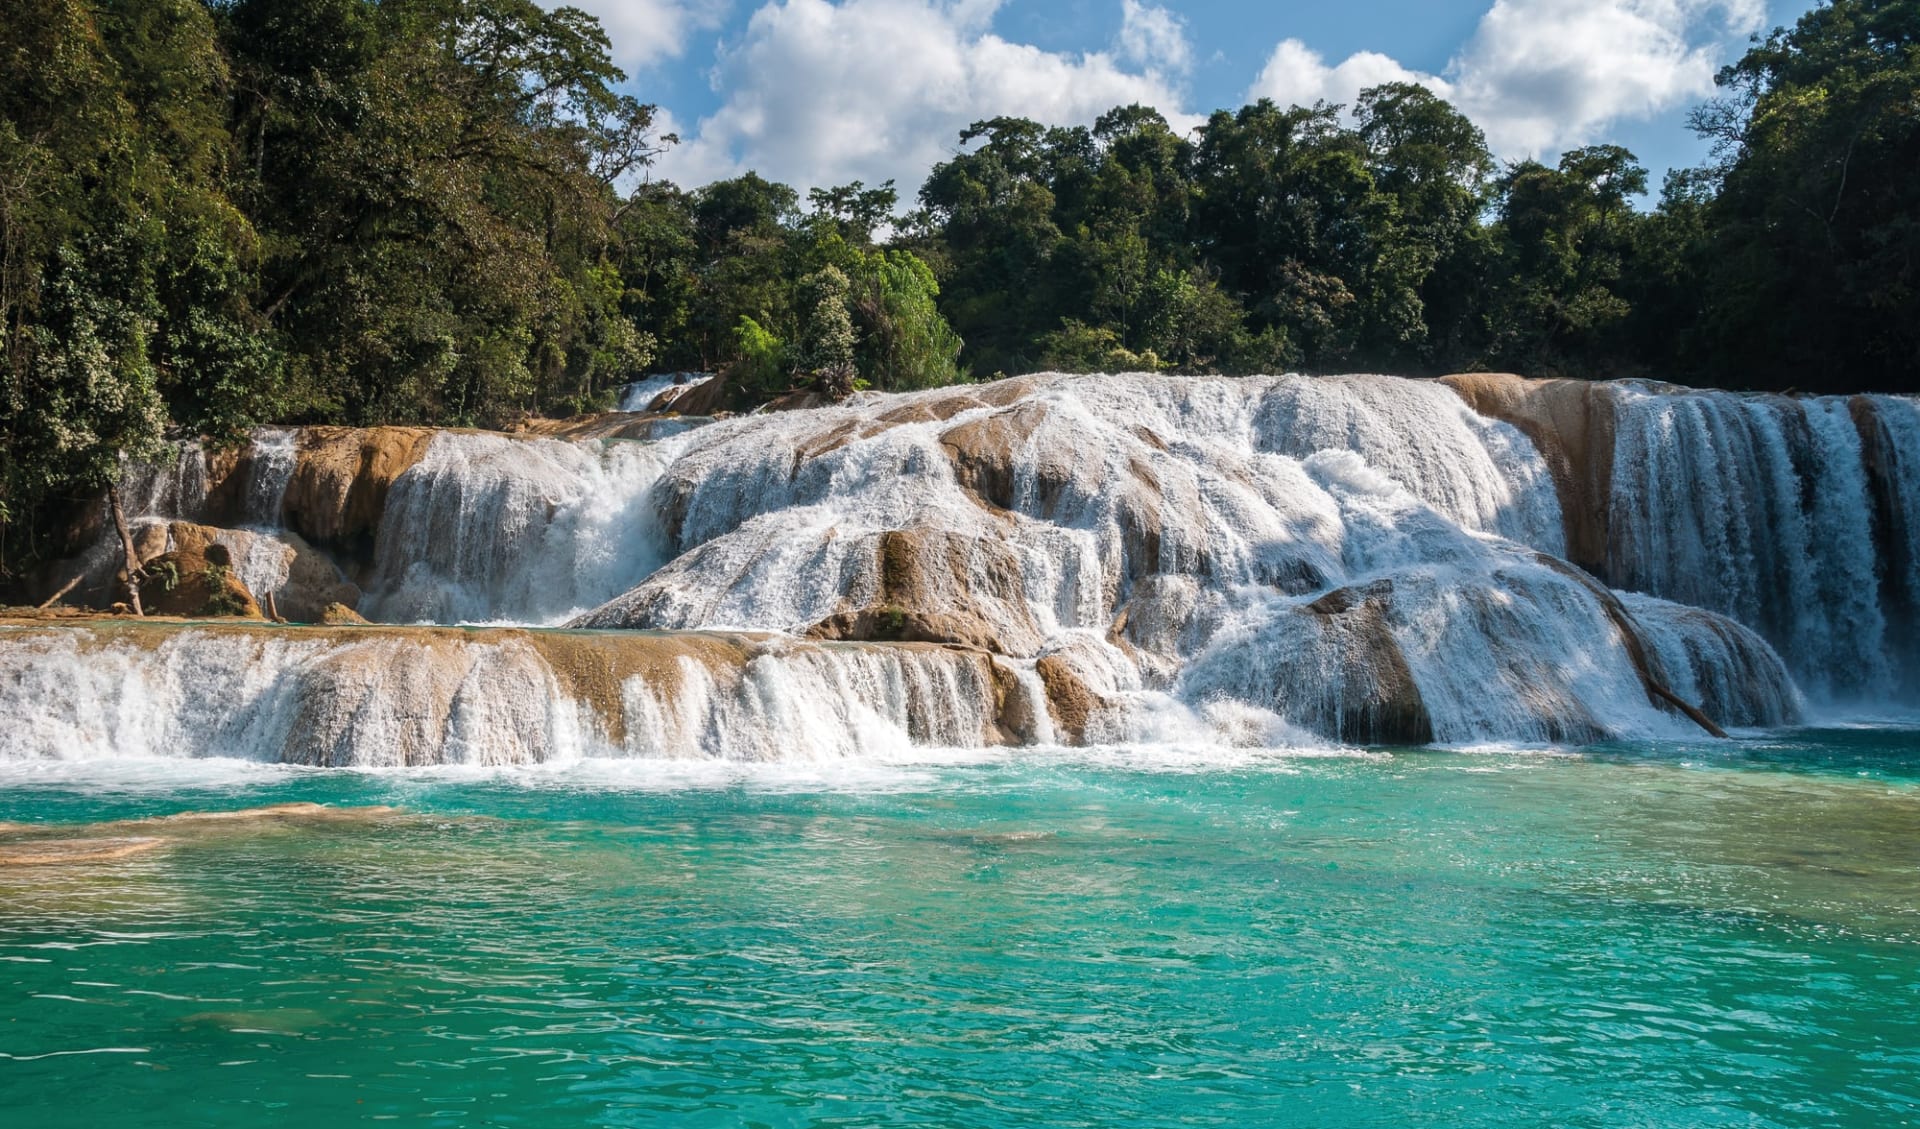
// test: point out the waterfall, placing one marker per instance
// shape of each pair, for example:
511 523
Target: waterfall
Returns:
173 487
1050 558
1035 526
1482 474
1730 673
393 697
271 457
1890 427
1761 508
639 395
489 528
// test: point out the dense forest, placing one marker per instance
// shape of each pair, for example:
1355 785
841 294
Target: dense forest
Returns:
216 213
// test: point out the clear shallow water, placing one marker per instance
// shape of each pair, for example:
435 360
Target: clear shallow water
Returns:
1671 936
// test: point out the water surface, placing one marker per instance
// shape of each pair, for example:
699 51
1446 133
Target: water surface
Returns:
1635 935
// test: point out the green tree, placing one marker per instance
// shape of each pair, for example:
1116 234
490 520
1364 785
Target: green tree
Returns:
656 247
993 208
749 260
854 211
1814 235
119 254
1289 214
1435 165
1564 241
434 184
827 338
760 372
904 341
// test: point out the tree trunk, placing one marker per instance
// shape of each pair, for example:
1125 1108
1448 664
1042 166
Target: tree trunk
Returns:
126 543
64 589
1693 713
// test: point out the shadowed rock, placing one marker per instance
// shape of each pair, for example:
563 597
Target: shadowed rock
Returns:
1071 701
197 581
303 581
1375 699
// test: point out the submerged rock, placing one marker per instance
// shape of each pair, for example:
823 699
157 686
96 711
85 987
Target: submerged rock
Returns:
40 844
67 852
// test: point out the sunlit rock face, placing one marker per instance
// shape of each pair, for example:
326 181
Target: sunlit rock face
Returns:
1129 558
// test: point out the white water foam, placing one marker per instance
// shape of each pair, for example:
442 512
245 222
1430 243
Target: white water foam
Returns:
636 397
379 698
485 528
1171 542
1759 507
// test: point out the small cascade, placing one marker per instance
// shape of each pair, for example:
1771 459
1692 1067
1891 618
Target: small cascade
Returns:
261 562
1724 668
384 697
1759 507
1480 473
173 488
271 456
488 528
1444 635
153 495
641 394
1890 437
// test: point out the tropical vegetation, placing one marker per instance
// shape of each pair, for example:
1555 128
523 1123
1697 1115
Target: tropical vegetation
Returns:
219 213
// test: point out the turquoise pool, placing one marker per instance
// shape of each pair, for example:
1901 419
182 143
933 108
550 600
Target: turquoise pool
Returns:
1644 936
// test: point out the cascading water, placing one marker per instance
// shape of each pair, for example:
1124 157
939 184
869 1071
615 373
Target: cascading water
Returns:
1731 674
386 697
1890 429
1762 508
641 394
1481 474
1102 558
487 528
269 469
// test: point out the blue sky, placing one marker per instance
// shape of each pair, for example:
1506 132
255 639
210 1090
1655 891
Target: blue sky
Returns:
818 92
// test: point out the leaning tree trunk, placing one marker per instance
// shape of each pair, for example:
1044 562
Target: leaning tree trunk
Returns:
126 544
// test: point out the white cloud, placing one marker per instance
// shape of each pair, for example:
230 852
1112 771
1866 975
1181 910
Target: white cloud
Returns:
1541 75
1297 75
818 93
1547 73
1154 38
644 32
